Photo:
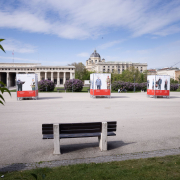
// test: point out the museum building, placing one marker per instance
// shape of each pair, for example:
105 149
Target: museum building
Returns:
57 74
95 63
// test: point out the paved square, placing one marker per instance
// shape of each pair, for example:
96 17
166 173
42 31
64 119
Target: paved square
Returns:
143 124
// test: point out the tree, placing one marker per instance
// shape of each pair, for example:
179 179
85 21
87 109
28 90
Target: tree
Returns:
128 76
3 89
81 72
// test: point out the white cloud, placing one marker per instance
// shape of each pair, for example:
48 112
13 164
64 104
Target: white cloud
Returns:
109 44
83 54
17 46
90 19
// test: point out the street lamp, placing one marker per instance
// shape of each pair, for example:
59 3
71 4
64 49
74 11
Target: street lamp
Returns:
134 82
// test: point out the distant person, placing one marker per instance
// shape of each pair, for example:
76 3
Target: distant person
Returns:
19 85
153 84
33 84
148 84
98 83
165 84
108 81
159 83
124 90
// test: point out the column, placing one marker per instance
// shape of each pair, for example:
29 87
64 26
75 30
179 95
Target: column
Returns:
58 82
45 75
52 79
71 75
39 77
7 80
64 79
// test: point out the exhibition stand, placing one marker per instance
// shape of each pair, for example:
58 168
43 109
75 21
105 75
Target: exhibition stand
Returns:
158 85
100 84
27 86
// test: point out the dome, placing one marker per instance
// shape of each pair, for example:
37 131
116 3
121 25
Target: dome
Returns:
95 54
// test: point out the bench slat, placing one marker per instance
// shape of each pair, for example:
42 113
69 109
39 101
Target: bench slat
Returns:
80 135
76 128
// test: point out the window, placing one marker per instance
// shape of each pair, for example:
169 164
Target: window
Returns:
108 66
92 61
123 66
62 68
104 70
127 66
112 70
103 66
72 68
112 66
118 66
108 70
37 68
95 61
118 71
123 70
69 69
53 68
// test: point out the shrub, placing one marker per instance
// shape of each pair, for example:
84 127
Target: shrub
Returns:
178 89
173 87
75 84
128 86
43 84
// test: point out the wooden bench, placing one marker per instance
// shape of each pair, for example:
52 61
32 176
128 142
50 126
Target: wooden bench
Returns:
79 130
59 89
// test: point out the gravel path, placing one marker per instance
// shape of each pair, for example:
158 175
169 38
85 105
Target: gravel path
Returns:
101 159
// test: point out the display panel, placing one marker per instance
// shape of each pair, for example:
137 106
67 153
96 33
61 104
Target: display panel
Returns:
27 85
100 84
158 85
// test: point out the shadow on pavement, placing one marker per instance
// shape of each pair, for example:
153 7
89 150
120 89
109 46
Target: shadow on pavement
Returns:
13 167
119 97
174 97
76 147
45 98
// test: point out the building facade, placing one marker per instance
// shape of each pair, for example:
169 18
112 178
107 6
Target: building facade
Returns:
57 74
95 63
152 71
174 73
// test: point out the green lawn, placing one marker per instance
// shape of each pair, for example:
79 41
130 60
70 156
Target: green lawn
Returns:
84 90
161 168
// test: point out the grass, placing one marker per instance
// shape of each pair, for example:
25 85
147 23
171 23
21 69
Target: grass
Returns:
84 90
158 168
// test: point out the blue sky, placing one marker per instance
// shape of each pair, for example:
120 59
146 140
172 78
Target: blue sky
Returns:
59 32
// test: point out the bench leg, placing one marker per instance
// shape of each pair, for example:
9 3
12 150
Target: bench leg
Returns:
103 138
56 139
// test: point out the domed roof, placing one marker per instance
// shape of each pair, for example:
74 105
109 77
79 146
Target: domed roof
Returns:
95 54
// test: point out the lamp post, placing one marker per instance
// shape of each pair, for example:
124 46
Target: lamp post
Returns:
134 82
72 85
